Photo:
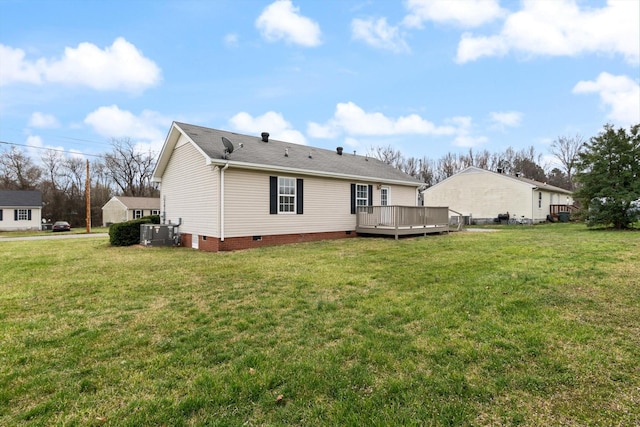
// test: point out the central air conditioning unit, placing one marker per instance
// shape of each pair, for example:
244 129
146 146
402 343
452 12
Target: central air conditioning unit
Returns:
159 235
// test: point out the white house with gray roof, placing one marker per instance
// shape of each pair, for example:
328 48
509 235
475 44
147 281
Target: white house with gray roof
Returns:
231 191
483 195
20 210
125 208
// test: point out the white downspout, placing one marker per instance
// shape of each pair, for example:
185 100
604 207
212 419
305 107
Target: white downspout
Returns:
221 204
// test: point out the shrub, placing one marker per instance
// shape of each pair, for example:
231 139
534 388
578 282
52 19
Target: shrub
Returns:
128 233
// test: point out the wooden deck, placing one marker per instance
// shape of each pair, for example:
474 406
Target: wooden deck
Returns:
554 210
402 220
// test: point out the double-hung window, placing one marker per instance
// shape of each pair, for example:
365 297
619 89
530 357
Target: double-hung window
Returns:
285 195
361 195
137 213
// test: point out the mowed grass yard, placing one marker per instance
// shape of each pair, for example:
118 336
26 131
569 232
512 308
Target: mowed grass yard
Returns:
530 326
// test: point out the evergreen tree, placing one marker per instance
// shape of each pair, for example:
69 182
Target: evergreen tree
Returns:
608 172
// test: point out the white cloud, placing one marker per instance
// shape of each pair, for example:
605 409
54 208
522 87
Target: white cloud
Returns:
15 69
316 130
379 34
464 136
281 21
120 66
561 28
271 122
352 142
350 119
36 148
112 122
506 118
620 94
42 120
468 13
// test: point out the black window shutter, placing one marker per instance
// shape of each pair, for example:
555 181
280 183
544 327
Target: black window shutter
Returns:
299 196
353 198
15 214
273 195
29 214
370 193
0 214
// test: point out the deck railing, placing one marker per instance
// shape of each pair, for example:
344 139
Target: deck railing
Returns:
400 220
556 209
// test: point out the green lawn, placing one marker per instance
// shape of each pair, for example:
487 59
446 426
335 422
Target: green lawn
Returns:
74 230
530 326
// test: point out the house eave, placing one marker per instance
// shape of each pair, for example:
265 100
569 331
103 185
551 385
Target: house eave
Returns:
308 172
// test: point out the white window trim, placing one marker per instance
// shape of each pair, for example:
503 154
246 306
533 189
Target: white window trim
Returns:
293 203
386 189
23 214
362 201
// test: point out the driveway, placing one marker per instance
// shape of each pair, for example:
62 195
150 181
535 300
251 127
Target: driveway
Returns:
53 237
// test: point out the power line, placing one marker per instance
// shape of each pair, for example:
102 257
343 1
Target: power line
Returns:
51 149
58 136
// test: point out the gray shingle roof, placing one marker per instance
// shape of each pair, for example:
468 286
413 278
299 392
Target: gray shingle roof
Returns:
20 198
140 202
280 155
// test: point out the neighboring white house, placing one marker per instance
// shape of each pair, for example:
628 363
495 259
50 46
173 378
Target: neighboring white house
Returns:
267 191
483 195
20 210
121 209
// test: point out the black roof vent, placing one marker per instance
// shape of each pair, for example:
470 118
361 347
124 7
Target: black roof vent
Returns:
339 150
265 136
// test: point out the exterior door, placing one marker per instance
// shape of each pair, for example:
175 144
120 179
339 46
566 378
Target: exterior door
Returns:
386 216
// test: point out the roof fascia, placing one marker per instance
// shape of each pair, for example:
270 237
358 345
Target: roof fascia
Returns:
268 168
167 150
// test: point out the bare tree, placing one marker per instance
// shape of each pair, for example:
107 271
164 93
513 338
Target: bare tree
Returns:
427 171
410 166
387 155
447 166
17 171
53 185
130 169
566 150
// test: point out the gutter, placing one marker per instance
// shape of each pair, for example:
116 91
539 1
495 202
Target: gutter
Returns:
221 204
308 172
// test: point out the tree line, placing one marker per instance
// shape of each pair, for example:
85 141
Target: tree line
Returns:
525 162
604 172
61 179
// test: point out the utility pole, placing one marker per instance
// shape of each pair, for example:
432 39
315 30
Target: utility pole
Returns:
87 195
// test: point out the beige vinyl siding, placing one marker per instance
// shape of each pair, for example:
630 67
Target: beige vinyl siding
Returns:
482 195
398 195
113 211
327 205
189 190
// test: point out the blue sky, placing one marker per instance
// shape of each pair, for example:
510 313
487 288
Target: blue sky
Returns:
426 77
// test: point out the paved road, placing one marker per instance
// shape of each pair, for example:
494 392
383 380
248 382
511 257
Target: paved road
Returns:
53 237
